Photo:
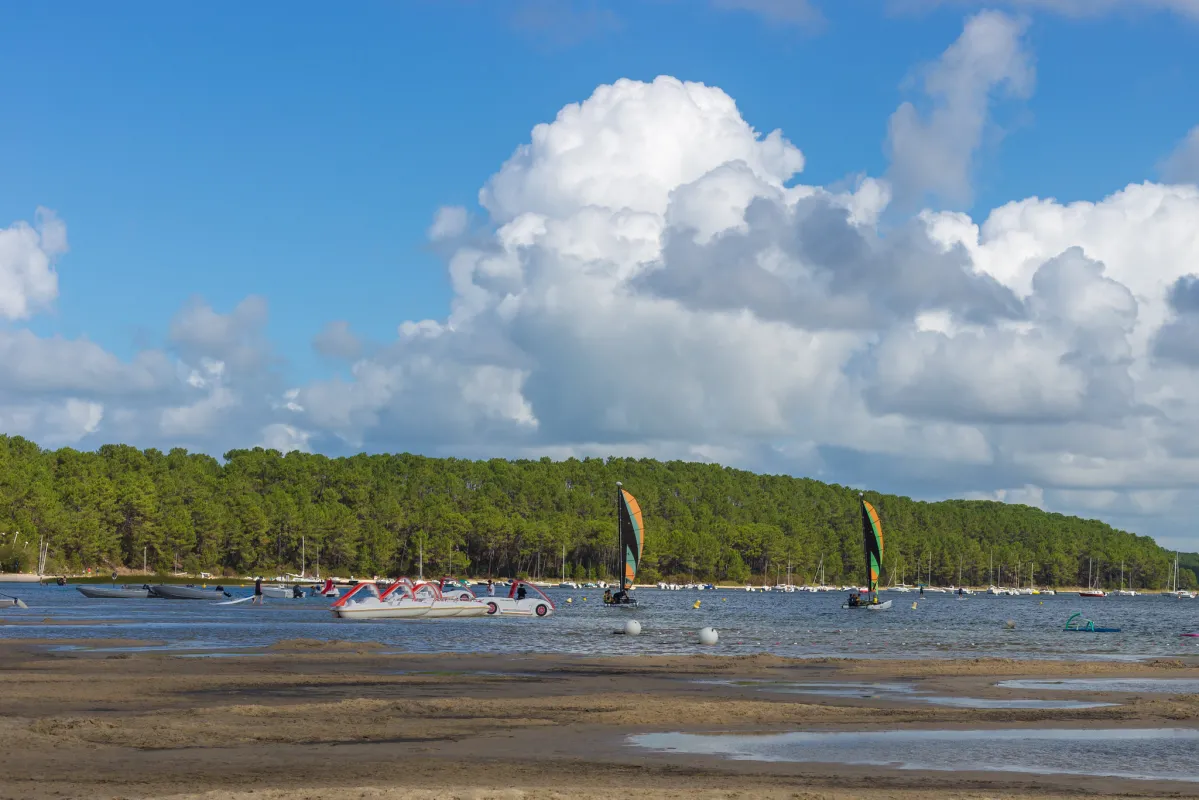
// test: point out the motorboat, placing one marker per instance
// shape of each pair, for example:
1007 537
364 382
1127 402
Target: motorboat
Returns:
189 592
282 592
366 601
115 592
524 600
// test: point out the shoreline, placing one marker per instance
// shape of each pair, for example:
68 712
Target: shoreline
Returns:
305 718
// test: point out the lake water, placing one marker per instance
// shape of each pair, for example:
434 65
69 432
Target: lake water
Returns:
1136 753
788 624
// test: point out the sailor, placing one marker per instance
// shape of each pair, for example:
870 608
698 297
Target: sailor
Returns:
490 588
520 592
608 596
258 590
853 598
297 592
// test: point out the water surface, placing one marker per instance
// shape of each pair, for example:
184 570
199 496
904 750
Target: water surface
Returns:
794 624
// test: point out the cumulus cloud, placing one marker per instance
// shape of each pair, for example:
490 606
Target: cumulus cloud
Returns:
932 153
28 281
448 223
1182 165
336 340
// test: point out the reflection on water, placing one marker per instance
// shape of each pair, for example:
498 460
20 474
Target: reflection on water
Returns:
1144 753
900 692
797 624
1178 685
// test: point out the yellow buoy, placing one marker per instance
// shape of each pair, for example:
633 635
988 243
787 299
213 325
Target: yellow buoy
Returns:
696 605
913 605
570 599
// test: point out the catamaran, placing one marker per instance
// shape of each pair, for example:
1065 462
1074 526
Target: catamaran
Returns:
872 544
630 542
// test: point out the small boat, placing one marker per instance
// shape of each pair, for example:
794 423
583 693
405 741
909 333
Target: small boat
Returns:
365 601
114 592
630 543
189 592
519 604
459 603
872 543
282 592
1093 593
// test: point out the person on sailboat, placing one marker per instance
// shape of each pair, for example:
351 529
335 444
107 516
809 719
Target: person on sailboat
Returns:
520 592
854 600
607 597
490 588
297 592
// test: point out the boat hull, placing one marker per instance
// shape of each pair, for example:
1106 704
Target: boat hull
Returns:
509 607
278 592
109 593
167 592
384 610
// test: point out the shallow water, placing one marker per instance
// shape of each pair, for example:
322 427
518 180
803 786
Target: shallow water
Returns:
1138 753
904 692
794 624
1177 685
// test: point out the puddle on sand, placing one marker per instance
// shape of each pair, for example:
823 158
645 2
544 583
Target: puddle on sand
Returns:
906 692
1136 753
1177 685
1020 702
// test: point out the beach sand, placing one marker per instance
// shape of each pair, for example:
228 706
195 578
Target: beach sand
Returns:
310 719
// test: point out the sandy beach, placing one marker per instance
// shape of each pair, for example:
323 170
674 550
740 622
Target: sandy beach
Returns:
316 719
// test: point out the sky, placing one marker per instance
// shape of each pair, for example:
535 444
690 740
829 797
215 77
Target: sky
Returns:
939 248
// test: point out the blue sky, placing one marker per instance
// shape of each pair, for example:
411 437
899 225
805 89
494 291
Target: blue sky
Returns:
200 154
299 151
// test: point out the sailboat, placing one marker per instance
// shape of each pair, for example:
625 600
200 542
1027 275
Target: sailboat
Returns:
1092 589
872 545
630 542
1122 592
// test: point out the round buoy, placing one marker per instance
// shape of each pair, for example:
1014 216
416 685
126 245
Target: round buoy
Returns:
708 636
632 628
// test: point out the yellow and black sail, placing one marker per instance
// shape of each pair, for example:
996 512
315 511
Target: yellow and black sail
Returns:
631 535
872 541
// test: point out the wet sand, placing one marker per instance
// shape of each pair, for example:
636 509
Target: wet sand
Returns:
308 719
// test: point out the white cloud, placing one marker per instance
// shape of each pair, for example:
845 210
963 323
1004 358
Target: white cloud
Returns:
1068 8
448 223
336 340
933 153
1182 165
28 281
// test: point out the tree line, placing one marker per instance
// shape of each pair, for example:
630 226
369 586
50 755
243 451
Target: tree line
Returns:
262 512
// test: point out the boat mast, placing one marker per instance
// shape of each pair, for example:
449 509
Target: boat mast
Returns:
619 571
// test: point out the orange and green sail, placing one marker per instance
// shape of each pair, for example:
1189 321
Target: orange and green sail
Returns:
631 535
872 540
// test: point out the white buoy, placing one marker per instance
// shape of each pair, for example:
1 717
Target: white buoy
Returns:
632 628
708 636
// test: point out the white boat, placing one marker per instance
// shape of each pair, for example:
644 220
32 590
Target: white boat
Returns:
883 606
455 601
532 602
280 592
365 601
